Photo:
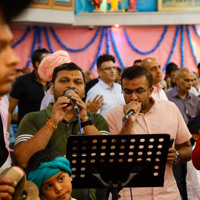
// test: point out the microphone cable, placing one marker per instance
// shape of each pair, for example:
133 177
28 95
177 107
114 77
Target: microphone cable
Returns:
79 120
123 121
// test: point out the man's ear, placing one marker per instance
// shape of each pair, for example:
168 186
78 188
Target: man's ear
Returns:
37 63
98 70
51 88
176 80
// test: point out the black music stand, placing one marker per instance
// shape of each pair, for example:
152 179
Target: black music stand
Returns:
117 161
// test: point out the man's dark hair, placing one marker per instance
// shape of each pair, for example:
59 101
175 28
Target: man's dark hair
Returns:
171 67
38 158
69 67
134 72
137 61
11 8
37 56
103 58
194 127
198 66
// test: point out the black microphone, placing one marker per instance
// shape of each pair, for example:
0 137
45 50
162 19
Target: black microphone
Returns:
73 102
130 112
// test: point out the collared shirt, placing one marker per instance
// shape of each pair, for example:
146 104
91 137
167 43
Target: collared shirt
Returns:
33 122
158 93
112 96
29 92
189 106
163 117
48 98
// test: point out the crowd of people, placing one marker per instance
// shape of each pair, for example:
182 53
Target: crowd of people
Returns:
58 99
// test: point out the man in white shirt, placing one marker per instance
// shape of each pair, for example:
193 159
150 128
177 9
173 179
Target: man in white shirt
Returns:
106 86
154 67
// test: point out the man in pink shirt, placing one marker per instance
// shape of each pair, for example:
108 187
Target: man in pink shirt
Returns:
154 67
150 117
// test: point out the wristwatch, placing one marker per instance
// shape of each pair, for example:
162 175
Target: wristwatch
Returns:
178 158
88 122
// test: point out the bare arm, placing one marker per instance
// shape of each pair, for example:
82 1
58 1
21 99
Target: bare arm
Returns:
12 104
184 150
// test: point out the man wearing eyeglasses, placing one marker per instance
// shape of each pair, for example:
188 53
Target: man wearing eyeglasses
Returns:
106 86
154 67
150 116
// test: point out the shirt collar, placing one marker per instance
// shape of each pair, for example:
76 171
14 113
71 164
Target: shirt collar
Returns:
157 89
175 93
153 107
104 85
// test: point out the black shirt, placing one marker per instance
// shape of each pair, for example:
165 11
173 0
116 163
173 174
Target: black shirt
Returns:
29 92
89 85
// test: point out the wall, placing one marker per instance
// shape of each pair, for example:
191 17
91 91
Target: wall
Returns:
143 38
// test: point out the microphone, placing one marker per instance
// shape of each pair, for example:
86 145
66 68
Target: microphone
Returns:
73 102
130 112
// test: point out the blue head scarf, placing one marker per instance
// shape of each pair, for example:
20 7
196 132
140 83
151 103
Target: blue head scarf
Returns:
49 169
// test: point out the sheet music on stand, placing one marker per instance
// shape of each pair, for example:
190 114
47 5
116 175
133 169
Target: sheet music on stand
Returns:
117 161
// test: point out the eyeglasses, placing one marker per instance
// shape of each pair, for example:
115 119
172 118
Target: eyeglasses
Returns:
108 68
137 91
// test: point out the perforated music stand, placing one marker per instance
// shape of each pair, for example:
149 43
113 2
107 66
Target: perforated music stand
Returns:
117 161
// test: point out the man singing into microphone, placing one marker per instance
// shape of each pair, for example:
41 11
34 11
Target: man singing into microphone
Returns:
50 128
150 117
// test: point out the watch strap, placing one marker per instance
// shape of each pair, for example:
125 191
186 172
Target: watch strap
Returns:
88 122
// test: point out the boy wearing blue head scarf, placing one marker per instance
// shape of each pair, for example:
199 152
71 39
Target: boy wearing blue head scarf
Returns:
51 174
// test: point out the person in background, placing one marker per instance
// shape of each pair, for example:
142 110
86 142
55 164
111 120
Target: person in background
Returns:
170 75
193 175
118 75
46 68
19 72
154 67
137 62
194 89
26 70
188 105
51 174
28 91
45 71
88 76
106 86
